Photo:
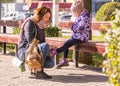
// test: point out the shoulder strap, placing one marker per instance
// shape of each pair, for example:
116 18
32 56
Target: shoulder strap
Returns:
35 30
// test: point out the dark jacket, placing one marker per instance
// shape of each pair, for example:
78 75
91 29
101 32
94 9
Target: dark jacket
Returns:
28 31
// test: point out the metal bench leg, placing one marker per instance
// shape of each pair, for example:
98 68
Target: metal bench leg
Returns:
76 58
16 47
56 59
76 55
4 44
4 48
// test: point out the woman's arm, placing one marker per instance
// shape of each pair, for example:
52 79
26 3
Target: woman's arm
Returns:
29 29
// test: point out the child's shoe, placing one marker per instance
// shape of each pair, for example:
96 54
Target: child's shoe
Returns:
52 52
64 62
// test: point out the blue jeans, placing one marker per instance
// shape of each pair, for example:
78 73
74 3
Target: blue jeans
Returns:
48 61
44 47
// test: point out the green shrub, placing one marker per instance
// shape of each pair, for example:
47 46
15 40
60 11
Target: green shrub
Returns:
16 30
52 31
49 31
106 12
111 66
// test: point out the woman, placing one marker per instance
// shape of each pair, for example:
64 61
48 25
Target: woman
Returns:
37 23
80 30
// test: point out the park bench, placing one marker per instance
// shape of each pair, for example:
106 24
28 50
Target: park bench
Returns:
90 46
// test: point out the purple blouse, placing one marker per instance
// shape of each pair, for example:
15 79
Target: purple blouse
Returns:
81 27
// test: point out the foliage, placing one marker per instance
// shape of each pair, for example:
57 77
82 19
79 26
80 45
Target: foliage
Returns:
103 29
7 1
87 4
49 31
52 31
106 12
111 66
16 30
97 60
98 37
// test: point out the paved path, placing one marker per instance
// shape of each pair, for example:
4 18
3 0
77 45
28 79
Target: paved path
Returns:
68 76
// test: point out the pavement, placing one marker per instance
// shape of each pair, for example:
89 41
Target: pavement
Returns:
67 76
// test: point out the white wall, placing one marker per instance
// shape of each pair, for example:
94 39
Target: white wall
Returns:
11 7
7 7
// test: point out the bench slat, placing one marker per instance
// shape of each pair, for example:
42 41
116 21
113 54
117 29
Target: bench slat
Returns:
9 38
91 46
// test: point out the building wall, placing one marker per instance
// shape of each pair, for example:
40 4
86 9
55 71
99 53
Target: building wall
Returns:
18 6
7 7
11 7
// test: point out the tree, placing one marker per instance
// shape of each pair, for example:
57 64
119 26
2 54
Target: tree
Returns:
65 1
85 58
106 11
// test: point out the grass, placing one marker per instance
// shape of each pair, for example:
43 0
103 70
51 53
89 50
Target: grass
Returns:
10 47
94 37
97 60
98 38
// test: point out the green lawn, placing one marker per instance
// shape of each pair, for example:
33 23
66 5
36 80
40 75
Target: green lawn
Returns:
98 38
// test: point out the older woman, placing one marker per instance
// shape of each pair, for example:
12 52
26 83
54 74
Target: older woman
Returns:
37 23
80 30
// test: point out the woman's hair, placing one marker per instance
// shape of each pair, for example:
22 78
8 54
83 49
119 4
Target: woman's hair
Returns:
40 12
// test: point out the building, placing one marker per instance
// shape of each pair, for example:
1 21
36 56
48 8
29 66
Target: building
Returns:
27 5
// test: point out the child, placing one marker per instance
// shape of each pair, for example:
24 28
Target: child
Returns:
80 31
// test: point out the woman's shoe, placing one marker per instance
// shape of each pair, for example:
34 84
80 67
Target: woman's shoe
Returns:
42 75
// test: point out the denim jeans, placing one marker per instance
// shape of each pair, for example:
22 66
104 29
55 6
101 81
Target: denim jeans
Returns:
44 47
48 61
21 55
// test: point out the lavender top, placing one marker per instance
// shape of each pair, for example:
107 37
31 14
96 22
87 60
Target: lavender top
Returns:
81 27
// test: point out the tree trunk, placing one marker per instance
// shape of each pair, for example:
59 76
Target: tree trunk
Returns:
0 10
86 58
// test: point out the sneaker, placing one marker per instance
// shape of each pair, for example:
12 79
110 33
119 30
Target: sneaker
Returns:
42 75
52 52
63 63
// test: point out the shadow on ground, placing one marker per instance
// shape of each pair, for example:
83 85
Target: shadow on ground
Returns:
81 78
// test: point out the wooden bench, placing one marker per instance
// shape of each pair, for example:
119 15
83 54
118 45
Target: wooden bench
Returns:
91 46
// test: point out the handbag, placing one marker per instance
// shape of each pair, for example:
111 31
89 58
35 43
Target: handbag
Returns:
17 63
34 57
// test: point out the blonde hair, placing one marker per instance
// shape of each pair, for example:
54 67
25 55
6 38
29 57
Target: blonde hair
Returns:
77 5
